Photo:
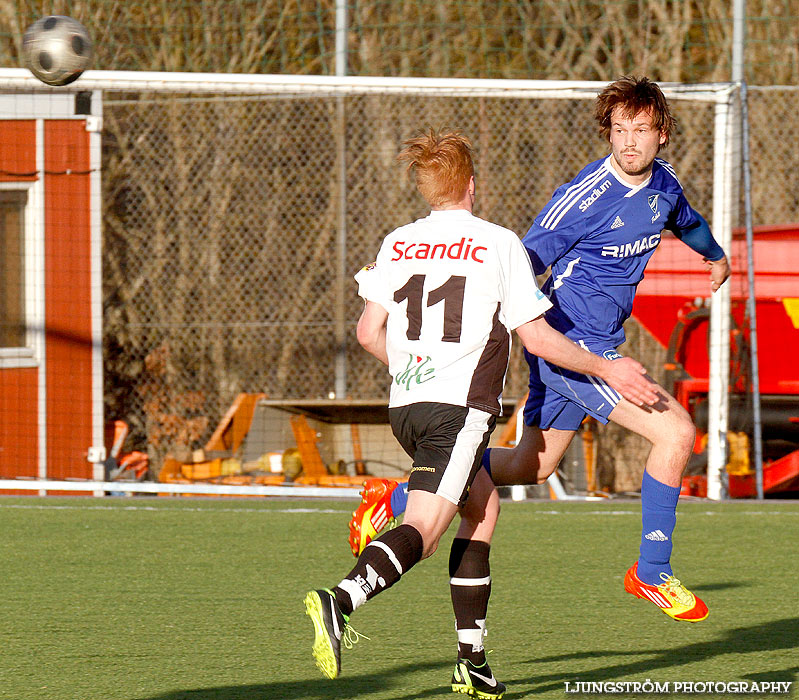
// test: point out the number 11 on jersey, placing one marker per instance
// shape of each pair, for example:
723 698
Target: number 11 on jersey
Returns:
451 293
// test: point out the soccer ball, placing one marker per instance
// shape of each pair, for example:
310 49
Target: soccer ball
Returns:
57 49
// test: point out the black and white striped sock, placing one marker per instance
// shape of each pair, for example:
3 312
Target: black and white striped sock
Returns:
381 564
470 587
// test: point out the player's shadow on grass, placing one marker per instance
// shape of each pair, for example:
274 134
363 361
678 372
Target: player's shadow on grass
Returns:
721 586
779 634
347 686
787 674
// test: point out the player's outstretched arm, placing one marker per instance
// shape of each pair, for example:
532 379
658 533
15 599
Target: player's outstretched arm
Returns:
371 331
698 237
625 375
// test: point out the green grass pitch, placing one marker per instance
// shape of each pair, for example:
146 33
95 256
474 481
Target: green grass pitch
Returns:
201 599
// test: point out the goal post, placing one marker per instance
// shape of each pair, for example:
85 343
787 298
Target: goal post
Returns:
229 188
724 153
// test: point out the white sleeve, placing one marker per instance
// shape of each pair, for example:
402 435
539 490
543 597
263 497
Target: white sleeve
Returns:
371 286
522 300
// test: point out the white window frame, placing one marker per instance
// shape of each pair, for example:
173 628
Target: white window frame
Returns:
32 353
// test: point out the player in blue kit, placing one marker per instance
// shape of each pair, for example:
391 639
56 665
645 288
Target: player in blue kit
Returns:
441 301
596 235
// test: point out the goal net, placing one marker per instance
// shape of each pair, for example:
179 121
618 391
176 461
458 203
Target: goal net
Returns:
236 209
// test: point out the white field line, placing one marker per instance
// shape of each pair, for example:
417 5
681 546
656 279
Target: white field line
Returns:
84 486
171 506
165 508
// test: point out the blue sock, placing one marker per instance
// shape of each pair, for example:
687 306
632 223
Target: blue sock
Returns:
658 518
486 461
399 499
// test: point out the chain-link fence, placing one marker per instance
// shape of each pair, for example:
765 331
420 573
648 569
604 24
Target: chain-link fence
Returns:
774 129
223 216
233 224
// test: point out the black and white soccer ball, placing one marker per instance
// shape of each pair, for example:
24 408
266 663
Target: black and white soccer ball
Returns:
57 49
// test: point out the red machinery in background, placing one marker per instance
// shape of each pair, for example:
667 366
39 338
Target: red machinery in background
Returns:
672 303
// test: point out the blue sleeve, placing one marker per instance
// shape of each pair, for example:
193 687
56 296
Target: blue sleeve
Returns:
683 216
697 236
550 237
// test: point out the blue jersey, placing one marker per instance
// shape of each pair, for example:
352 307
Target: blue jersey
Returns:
597 233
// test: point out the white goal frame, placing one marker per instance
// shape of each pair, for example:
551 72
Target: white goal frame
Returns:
725 152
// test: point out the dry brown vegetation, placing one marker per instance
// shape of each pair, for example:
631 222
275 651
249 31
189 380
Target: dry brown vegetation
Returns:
220 215
670 40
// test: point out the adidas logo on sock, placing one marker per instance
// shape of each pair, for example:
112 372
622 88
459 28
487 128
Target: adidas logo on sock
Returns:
617 223
656 536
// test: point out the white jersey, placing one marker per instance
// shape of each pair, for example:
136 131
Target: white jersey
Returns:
454 286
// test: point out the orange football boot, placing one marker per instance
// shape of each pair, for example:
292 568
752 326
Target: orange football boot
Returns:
671 596
373 514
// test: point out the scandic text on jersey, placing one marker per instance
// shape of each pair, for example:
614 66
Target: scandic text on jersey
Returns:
628 249
462 250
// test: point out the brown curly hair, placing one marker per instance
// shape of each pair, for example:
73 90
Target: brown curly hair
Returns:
634 94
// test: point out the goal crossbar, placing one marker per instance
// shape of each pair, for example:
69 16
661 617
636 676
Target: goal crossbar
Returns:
249 83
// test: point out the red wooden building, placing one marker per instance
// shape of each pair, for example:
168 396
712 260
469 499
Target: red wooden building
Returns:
51 393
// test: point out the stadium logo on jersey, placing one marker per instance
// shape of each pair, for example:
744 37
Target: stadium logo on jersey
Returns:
462 250
596 193
617 223
653 205
417 371
629 249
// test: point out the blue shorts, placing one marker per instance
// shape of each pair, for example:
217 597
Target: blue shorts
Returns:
561 399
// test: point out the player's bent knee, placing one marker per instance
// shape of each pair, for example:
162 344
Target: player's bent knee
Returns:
543 474
431 534
684 435
676 432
